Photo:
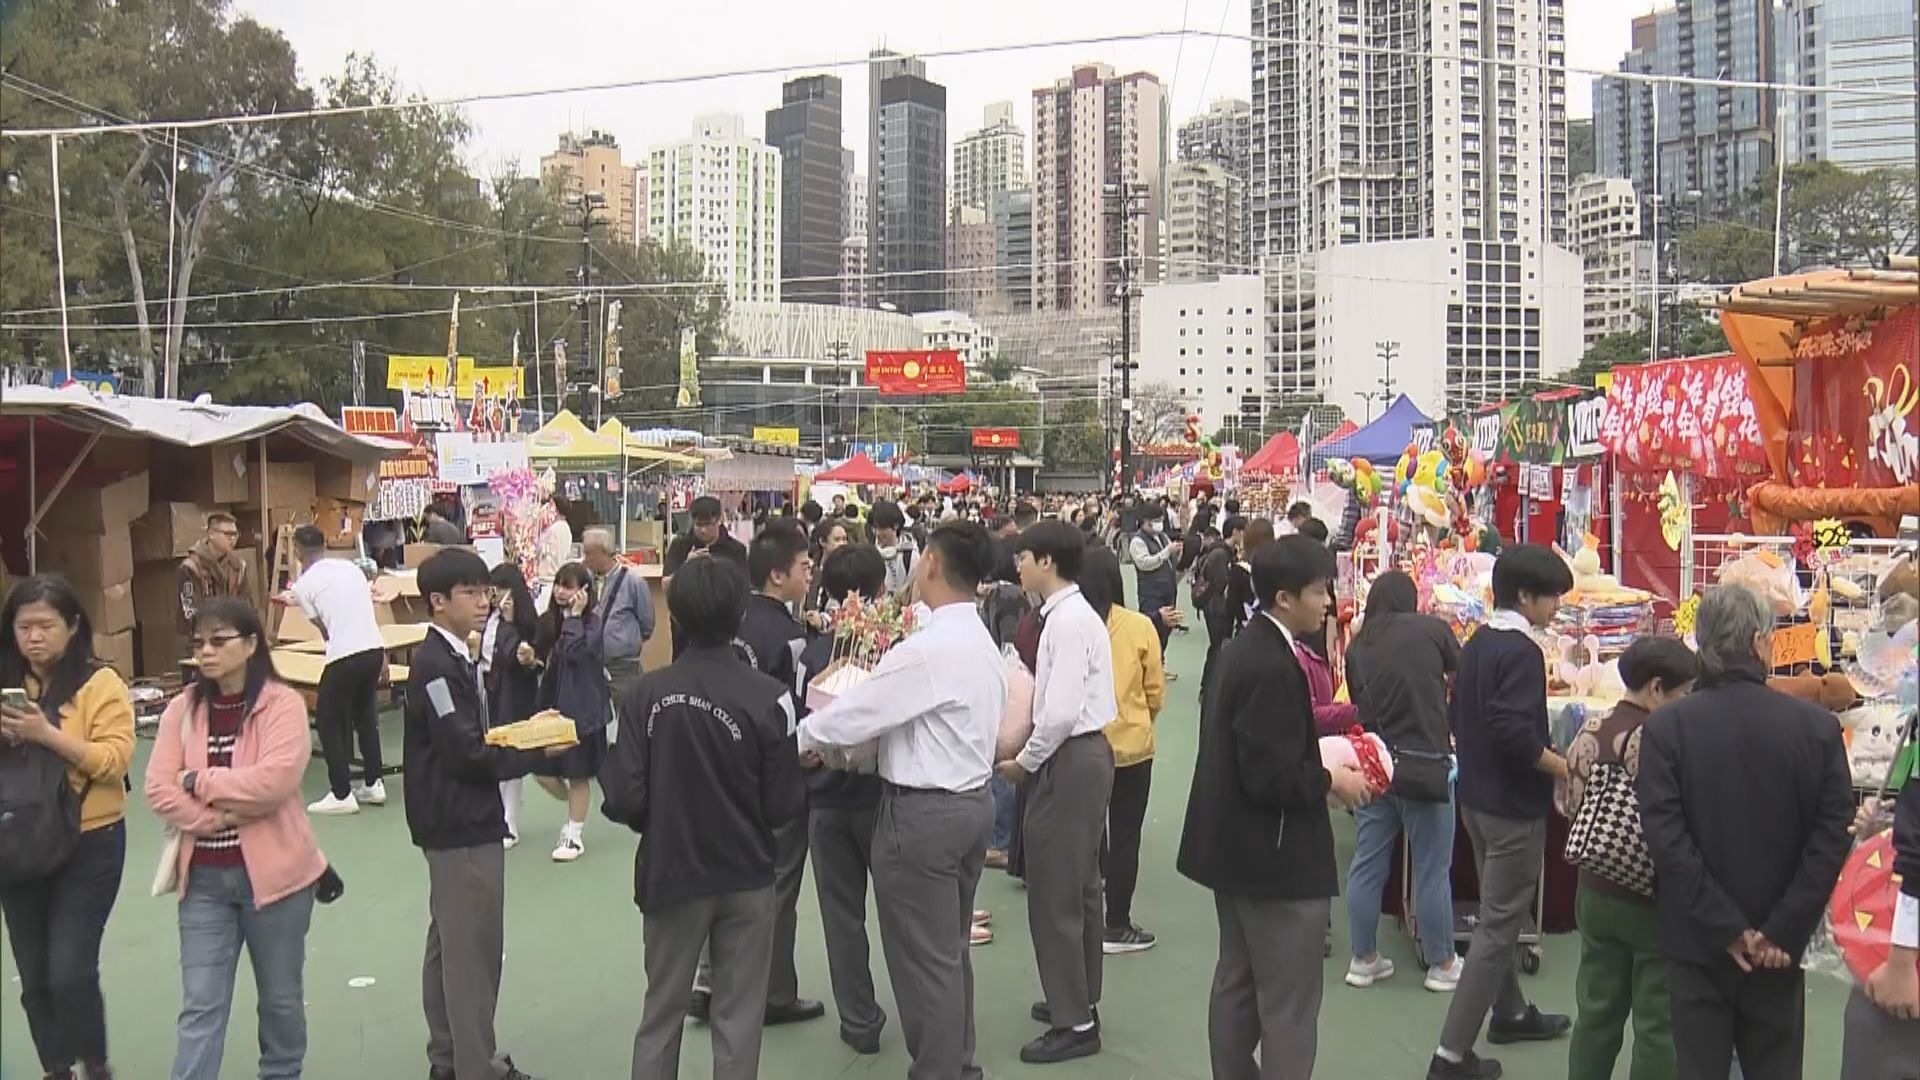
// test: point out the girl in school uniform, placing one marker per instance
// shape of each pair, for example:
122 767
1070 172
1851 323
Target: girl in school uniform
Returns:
510 667
574 682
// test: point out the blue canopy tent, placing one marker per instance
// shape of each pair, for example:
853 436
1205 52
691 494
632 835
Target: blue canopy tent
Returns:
1381 442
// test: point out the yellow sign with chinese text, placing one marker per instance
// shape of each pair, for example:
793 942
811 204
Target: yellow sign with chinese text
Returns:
417 373
785 436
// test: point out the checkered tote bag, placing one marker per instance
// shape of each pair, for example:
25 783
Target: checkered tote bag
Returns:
1605 836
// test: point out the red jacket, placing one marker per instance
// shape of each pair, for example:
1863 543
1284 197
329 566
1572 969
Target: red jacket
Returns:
1330 717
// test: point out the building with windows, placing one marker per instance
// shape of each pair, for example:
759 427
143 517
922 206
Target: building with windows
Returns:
1858 43
1206 222
1011 214
1400 199
1223 135
853 271
990 160
960 332
718 191
1618 264
1203 340
805 129
591 162
907 207
970 274
1091 130
1716 140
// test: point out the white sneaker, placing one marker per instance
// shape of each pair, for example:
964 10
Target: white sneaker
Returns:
333 807
1444 980
374 794
568 849
1361 974
512 841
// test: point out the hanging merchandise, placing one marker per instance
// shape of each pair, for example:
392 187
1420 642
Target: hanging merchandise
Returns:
400 500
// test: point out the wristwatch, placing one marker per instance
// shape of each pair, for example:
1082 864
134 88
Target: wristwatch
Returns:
187 782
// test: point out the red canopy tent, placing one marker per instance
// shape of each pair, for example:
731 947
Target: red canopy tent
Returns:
957 485
1281 454
858 469
1346 428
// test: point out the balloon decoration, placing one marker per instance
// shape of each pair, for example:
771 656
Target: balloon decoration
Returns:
1437 488
1212 465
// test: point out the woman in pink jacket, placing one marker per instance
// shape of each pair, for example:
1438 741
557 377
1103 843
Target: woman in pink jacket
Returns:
226 771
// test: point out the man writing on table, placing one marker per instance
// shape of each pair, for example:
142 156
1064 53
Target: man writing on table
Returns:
934 705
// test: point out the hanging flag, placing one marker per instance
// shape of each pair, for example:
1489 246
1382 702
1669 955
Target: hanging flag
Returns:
610 362
689 395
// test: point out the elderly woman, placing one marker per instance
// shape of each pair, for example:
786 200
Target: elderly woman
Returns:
1743 881
226 770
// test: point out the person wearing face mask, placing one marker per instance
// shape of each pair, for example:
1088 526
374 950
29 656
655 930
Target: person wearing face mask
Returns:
896 545
1155 559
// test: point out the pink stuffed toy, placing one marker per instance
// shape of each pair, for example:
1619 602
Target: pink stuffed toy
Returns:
1363 750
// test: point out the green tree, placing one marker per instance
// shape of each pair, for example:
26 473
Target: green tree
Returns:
1580 149
1079 439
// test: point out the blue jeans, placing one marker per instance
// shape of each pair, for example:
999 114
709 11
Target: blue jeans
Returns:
217 916
1004 795
1429 828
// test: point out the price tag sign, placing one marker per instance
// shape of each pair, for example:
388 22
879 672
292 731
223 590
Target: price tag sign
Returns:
1794 645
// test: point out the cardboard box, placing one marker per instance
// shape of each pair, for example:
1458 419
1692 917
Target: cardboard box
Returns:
116 650
205 474
415 554
289 483
121 455
156 604
109 608
96 511
168 530
339 520
339 478
89 561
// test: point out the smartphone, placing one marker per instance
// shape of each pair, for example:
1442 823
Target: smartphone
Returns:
14 698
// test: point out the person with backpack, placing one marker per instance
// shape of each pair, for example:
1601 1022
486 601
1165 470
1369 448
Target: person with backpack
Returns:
225 772
1622 971
1209 589
65 744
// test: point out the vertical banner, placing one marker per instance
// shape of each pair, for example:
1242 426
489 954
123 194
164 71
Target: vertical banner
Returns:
689 395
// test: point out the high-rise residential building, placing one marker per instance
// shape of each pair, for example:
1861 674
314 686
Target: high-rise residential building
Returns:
1011 213
1401 199
857 204
1093 129
1618 263
989 160
1715 140
970 277
1858 43
805 129
1223 135
907 212
591 162
718 192
853 271
1206 221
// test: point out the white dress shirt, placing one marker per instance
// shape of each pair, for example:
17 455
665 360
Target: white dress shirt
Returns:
1073 688
1906 920
934 702
1282 627
335 594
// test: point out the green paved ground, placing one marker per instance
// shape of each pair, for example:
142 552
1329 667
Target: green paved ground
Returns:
574 983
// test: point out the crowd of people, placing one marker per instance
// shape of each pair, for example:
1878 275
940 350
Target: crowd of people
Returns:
907 788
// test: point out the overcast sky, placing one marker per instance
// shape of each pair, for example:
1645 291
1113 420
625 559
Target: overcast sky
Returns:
444 48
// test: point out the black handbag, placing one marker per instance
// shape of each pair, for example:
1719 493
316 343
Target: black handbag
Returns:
1422 776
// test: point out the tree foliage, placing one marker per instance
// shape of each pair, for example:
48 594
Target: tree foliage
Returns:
1080 437
1832 216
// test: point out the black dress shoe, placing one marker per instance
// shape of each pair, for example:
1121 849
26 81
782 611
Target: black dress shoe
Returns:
862 1044
1530 1026
700 1004
435 1072
1467 1068
1061 1044
1043 1015
793 1012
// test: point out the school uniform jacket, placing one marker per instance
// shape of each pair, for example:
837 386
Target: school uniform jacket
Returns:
452 777
704 770
771 640
1257 823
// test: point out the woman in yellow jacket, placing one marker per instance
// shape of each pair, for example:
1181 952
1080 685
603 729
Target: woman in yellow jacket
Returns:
78 710
1140 688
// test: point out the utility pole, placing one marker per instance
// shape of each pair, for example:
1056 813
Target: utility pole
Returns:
1126 202
839 352
1387 351
585 204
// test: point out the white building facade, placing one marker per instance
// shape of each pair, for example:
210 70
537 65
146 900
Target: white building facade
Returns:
989 160
958 331
1203 339
718 192
1206 222
1618 265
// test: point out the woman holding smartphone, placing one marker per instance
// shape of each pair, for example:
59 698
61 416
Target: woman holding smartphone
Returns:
75 709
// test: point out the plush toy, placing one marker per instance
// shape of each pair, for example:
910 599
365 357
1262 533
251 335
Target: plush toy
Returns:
1832 691
1769 576
1874 733
1363 750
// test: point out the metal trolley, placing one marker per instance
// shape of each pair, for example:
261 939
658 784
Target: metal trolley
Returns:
1466 916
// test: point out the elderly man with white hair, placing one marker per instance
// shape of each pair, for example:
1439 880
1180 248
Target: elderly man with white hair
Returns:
626 610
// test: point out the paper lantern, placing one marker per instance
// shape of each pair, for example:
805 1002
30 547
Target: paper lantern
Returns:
1861 910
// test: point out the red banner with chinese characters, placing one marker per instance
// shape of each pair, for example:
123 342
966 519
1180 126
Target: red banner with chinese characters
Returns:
916 371
1710 416
996 438
1856 404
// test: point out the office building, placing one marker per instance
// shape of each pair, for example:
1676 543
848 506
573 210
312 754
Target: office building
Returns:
1618 264
1856 43
990 160
1011 214
1092 130
1716 140
1400 199
591 162
1206 221
906 230
718 192
805 129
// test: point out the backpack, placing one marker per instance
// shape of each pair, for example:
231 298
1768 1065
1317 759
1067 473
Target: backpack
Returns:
39 814
1204 582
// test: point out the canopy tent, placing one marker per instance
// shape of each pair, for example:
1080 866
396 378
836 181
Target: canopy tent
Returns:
638 450
191 423
1346 428
957 485
1280 455
1381 442
858 469
565 440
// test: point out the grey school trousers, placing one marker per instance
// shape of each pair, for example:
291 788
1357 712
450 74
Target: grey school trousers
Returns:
737 930
1507 854
1066 817
466 938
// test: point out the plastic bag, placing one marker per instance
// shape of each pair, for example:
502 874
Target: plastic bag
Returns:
1016 720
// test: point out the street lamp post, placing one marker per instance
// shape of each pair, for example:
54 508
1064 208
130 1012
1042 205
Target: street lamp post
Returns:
1126 202
585 205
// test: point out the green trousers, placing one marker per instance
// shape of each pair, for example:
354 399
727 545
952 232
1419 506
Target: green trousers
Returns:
1621 972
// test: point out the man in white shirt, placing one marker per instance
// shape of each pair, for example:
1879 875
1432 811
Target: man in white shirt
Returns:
335 595
934 705
1070 767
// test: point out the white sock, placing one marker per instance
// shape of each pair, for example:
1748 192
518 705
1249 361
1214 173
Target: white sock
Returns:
1445 1054
574 830
1088 1026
